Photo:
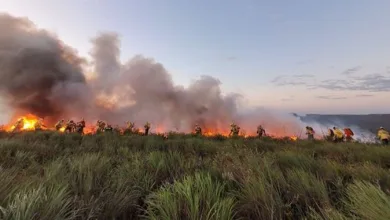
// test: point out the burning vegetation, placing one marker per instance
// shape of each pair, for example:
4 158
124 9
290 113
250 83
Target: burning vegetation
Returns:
140 89
32 122
43 76
28 122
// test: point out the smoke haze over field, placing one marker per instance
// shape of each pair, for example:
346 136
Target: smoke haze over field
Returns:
38 73
41 75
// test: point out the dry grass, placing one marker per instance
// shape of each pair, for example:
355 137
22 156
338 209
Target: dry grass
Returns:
57 176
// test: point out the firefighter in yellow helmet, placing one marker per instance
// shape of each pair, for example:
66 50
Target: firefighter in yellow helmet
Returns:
310 133
198 130
147 128
338 135
383 136
60 124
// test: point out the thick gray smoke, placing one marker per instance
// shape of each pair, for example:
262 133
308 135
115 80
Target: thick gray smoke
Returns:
42 76
38 74
144 91
106 61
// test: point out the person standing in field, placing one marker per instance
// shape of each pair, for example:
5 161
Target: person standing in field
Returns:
310 133
383 136
60 124
348 134
338 135
260 131
198 130
147 127
234 130
330 136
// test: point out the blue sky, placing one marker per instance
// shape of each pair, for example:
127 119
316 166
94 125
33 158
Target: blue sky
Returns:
305 56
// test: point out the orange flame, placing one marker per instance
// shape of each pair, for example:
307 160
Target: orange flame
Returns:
29 122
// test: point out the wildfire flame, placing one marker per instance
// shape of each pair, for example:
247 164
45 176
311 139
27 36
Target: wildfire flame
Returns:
28 123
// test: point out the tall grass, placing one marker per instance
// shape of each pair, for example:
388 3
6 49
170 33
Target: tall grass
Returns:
194 197
46 175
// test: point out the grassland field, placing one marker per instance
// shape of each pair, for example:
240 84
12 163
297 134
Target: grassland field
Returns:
49 175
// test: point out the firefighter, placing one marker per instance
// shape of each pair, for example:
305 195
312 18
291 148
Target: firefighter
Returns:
38 125
348 134
59 124
237 130
82 122
19 124
100 125
70 126
80 126
310 133
198 130
234 129
383 136
338 135
108 128
260 131
130 127
330 136
147 127
117 129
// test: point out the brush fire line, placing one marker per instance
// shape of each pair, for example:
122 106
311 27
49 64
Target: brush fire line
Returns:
31 122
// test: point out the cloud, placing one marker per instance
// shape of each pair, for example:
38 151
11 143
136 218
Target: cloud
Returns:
351 70
371 83
331 97
278 78
367 83
364 95
294 80
304 76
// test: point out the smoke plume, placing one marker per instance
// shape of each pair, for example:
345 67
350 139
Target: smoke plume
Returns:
145 91
41 75
38 73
